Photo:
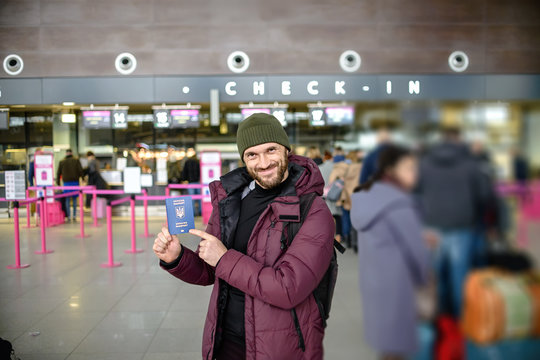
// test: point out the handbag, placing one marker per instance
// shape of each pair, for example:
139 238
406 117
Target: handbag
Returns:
426 300
335 190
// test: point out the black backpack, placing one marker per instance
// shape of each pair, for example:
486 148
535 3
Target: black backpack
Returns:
6 350
324 292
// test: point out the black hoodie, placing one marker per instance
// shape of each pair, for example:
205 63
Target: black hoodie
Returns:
451 189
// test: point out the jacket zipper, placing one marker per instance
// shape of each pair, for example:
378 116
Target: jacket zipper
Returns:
301 343
211 347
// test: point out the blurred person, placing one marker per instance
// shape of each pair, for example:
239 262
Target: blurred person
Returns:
140 157
69 171
31 167
393 257
520 167
331 171
384 137
191 174
350 178
489 214
174 169
315 154
327 155
94 175
262 304
452 195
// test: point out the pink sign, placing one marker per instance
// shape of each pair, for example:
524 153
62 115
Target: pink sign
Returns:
248 112
43 168
184 112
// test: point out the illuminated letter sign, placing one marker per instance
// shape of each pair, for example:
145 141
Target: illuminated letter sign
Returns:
311 87
339 87
258 88
286 88
414 87
229 88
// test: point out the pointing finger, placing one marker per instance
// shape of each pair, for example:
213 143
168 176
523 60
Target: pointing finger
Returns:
165 232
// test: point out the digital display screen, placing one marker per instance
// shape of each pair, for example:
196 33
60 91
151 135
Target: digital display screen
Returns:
317 117
248 112
184 118
336 116
162 119
119 119
93 119
280 114
3 120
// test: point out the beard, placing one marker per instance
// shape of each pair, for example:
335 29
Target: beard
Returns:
274 180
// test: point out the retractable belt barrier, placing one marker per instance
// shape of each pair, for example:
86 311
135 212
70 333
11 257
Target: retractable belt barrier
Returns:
80 190
18 264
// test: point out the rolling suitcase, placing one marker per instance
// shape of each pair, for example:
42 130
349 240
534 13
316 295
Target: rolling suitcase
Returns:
520 349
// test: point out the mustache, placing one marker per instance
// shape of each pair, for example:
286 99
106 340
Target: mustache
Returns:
271 166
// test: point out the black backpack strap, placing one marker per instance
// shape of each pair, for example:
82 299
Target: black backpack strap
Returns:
293 227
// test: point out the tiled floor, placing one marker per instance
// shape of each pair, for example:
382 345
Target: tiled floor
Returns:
136 311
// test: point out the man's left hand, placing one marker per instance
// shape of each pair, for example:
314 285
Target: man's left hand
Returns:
211 249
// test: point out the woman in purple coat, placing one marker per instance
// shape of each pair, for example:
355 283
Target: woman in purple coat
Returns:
394 260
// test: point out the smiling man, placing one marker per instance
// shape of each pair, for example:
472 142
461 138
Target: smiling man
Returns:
262 306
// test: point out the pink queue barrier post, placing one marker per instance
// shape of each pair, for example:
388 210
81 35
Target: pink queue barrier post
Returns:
82 235
44 249
94 209
133 249
28 212
145 204
44 204
17 264
110 263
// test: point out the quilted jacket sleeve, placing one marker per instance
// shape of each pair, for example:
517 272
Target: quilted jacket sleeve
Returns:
191 268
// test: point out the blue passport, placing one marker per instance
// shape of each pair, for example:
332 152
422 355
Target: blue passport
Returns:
180 217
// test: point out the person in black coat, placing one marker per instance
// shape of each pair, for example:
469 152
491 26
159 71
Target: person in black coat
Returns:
191 174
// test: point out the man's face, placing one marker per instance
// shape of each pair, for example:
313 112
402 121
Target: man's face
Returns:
267 164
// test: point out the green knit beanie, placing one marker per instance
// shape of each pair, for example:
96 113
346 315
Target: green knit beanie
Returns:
260 128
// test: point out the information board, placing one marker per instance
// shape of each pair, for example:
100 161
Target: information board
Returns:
132 180
119 119
317 117
184 118
340 115
15 185
248 111
97 119
43 168
162 118
147 180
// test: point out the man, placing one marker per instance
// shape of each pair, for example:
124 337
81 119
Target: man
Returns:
452 195
191 173
31 167
94 175
262 305
70 170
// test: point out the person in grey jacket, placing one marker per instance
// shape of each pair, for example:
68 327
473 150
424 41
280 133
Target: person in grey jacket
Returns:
452 193
393 257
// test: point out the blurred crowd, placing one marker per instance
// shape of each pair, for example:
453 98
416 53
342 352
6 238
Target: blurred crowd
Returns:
421 220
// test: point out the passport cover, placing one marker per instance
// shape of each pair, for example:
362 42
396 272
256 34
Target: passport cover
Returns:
180 214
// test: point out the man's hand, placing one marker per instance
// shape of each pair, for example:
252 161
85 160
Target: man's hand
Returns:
211 249
166 246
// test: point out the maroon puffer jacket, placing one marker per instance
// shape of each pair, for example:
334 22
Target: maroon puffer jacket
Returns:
274 282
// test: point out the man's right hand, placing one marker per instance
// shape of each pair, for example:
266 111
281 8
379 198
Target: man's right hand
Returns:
166 246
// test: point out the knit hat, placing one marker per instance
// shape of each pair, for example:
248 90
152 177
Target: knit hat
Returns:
260 128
